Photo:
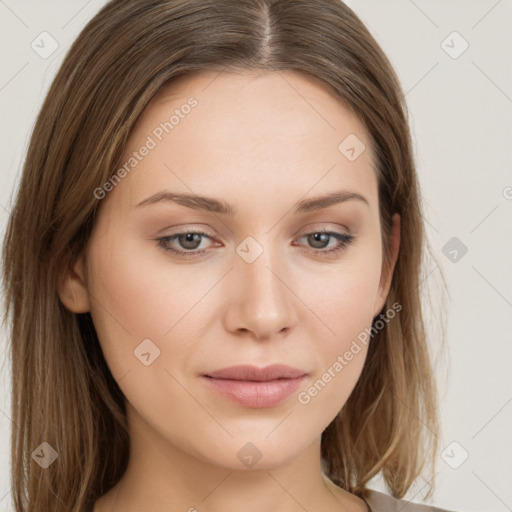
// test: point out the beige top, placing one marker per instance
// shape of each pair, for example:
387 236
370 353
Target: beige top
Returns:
379 502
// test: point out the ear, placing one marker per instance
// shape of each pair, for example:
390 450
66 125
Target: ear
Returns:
387 269
72 288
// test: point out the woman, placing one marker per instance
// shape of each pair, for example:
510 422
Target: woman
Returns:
212 268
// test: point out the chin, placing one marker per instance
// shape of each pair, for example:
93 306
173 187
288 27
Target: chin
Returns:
249 452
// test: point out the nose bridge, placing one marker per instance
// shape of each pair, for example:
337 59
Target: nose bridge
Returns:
264 304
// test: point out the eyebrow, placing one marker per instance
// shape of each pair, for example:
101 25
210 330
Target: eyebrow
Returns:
210 204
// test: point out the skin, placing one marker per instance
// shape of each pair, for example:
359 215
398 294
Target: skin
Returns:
261 142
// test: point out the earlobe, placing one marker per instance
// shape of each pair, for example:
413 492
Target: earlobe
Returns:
72 288
387 270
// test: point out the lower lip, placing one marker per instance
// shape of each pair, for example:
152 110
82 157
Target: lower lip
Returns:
255 394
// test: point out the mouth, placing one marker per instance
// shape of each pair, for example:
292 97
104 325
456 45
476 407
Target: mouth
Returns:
255 387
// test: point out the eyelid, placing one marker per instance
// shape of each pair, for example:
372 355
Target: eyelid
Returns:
186 228
326 227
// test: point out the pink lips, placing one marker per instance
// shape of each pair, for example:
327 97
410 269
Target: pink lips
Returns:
255 387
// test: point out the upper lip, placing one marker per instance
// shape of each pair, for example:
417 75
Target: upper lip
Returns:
253 373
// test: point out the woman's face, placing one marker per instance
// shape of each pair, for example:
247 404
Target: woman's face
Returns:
258 167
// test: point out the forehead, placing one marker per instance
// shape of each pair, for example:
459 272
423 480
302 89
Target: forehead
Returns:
296 96
251 129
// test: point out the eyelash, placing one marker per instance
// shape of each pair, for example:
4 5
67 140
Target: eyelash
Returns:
343 240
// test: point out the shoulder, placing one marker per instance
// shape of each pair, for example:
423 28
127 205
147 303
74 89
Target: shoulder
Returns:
379 502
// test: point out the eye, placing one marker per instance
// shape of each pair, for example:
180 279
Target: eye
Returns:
320 239
190 241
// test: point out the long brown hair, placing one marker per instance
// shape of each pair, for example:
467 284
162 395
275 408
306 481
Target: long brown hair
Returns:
63 391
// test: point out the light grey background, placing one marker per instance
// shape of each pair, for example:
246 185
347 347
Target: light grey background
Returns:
461 115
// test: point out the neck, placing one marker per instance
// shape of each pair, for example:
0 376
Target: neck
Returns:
162 477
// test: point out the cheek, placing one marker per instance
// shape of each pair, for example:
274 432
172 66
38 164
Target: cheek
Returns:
344 302
135 297
144 316
140 287
343 296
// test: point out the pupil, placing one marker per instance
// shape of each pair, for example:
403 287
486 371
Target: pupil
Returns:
320 237
189 239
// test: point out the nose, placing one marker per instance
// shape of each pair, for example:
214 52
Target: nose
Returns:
261 297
